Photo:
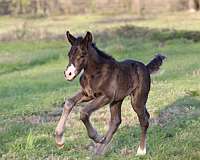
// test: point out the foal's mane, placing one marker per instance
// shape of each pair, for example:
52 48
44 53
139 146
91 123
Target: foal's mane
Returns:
101 53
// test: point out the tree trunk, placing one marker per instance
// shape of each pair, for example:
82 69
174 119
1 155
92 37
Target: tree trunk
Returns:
5 7
34 6
45 7
58 6
20 7
193 5
137 6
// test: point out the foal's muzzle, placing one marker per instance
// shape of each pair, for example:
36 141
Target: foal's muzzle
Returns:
70 73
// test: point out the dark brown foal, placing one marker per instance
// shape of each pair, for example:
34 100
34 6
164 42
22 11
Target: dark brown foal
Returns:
106 81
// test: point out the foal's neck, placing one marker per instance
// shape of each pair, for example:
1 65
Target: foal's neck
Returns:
95 61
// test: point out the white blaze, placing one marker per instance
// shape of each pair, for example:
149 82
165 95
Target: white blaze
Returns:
70 73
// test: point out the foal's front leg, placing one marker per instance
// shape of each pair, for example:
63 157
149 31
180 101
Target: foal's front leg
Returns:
87 111
69 104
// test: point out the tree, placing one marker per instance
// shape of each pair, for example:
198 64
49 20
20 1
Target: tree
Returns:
58 6
44 6
20 7
137 6
193 5
34 6
5 7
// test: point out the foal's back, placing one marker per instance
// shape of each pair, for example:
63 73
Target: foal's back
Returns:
131 75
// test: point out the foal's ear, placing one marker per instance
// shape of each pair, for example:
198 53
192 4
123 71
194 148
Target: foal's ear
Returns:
88 38
70 38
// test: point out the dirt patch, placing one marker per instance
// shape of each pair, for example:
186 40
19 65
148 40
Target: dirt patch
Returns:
40 119
8 58
47 117
172 113
2 129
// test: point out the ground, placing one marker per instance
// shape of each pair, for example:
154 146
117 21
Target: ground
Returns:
32 88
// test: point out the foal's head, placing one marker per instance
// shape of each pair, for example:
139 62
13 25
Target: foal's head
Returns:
78 54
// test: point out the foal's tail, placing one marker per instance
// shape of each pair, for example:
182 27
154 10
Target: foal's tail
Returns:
154 65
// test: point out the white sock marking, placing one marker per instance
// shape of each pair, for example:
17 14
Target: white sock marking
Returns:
141 152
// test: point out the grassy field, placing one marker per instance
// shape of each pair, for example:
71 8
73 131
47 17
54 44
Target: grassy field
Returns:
40 27
32 90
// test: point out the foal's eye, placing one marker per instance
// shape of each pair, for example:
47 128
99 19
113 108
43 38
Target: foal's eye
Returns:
80 56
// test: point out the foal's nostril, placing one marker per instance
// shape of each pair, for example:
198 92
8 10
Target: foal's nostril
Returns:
70 73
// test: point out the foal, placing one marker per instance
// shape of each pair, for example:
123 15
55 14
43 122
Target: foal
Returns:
106 81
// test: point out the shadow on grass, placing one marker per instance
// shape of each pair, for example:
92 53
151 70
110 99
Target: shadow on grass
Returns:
131 31
172 120
111 20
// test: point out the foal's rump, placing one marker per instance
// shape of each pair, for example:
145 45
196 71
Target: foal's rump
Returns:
131 75
136 75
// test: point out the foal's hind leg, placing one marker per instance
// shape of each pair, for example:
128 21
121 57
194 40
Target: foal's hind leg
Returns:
115 121
138 102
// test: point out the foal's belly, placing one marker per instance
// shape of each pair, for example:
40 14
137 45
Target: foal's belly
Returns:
124 87
127 80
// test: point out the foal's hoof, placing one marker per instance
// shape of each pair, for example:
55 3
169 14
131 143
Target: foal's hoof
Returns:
60 146
101 149
99 139
141 152
59 141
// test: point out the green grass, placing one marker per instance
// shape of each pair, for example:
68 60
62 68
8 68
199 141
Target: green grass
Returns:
32 83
